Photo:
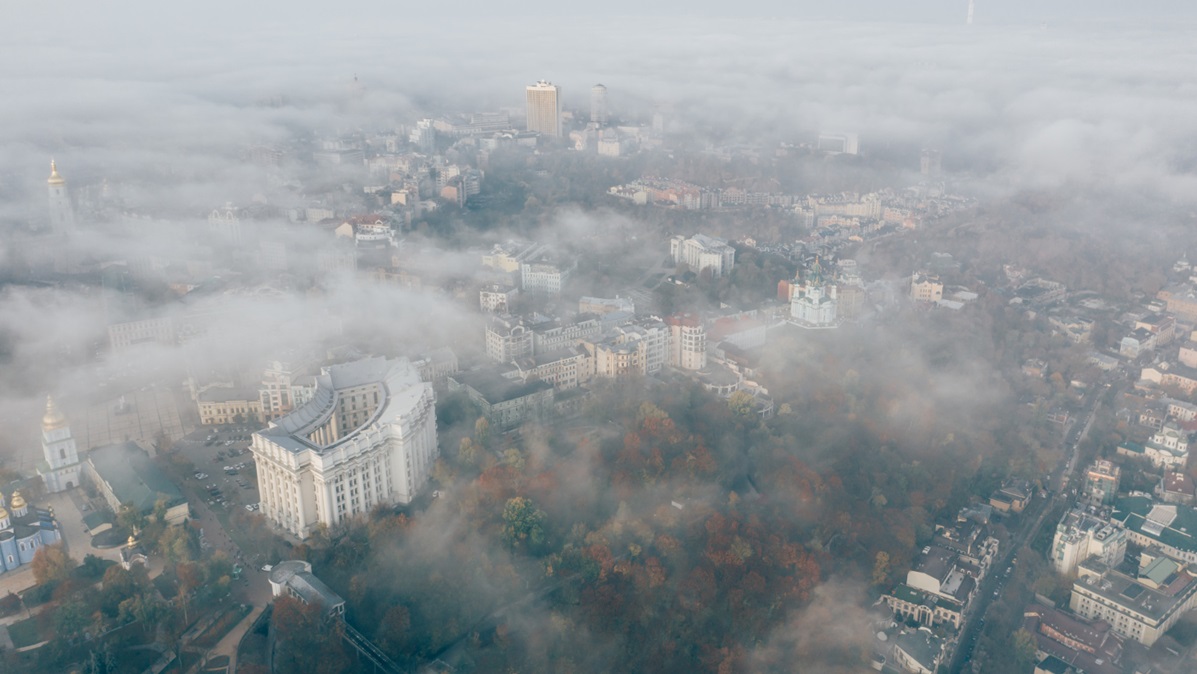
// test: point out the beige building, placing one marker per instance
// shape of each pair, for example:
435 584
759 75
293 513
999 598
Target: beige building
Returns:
1080 536
544 108
367 438
1141 607
220 405
123 336
926 288
688 342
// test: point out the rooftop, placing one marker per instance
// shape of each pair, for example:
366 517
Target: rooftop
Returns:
133 477
1140 515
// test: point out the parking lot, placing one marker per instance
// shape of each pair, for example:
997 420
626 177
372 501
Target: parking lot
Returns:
224 472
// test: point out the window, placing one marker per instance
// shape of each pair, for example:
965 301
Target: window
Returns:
62 454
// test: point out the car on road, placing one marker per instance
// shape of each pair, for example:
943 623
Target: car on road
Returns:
200 476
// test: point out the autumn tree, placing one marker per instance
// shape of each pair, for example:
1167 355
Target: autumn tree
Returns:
51 564
307 642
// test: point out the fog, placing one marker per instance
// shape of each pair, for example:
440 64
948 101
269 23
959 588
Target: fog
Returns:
161 102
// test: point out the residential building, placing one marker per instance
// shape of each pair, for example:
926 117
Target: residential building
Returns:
1012 496
1141 607
285 385
1075 644
130 334
918 651
1137 343
1176 487
565 369
544 108
543 277
294 578
507 339
602 306
1162 325
60 467
941 572
925 287
437 365
1181 301
970 540
557 335
505 403
126 477
497 299
1081 536
1101 483
634 349
366 438
927 608
701 252
687 342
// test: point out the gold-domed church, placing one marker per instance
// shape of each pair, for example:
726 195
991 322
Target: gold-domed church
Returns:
60 466
23 530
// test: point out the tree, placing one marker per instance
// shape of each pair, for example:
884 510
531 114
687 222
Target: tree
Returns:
742 404
1024 649
881 568
523 523
306 643
51 564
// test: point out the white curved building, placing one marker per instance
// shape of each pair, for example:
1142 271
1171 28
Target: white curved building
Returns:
367 437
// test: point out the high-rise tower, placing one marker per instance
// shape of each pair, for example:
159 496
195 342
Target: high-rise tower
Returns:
60 470
598 104
62 216
544 108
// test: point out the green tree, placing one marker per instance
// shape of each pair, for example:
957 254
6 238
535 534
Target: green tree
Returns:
1024 649
742 404
523 523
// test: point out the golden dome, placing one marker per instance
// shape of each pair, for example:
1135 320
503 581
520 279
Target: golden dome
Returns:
55 179
18 501
132 540
53 418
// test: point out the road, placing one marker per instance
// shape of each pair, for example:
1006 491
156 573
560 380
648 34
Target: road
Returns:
1060 494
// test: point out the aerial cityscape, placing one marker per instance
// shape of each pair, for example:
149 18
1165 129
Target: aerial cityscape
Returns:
819 339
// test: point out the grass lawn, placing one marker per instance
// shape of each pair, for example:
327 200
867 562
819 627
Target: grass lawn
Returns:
25 633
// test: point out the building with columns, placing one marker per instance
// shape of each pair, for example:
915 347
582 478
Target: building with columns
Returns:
61 466
366 438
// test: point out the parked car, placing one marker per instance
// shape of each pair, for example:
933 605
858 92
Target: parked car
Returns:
200 476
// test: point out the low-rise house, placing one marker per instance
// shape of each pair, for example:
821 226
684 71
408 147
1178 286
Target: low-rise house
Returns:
1176 487
1074 642
1012 496
294 578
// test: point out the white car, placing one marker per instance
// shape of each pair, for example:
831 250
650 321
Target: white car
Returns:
200 476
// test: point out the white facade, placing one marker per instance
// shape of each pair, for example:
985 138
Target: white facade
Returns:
1080 536
544 108
60 470
687 343
367 438
814 306
542 277
598 104
703 252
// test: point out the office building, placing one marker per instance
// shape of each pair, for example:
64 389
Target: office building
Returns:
544 109
366 438
598 105
1141 607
